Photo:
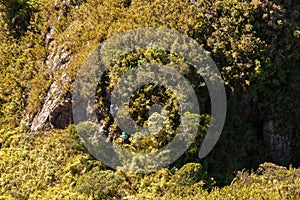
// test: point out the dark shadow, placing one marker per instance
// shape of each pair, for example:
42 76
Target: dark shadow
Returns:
17 14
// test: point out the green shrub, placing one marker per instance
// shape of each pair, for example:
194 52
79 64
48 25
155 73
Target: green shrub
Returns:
255 45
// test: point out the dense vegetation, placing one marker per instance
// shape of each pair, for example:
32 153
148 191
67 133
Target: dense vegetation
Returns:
256 46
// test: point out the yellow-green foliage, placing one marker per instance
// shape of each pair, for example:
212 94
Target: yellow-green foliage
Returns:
243 37
54 165
255 44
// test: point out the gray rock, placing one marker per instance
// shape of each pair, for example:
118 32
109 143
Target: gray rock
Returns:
49 36
56 111
280 145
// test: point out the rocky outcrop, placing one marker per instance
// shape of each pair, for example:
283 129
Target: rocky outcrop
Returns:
280 145
57 107
278 141
56 111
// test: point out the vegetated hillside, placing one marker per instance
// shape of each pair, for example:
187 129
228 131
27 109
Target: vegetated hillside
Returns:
54 165
256 46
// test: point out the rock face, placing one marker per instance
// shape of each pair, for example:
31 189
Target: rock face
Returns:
57 107
279 145
56 111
